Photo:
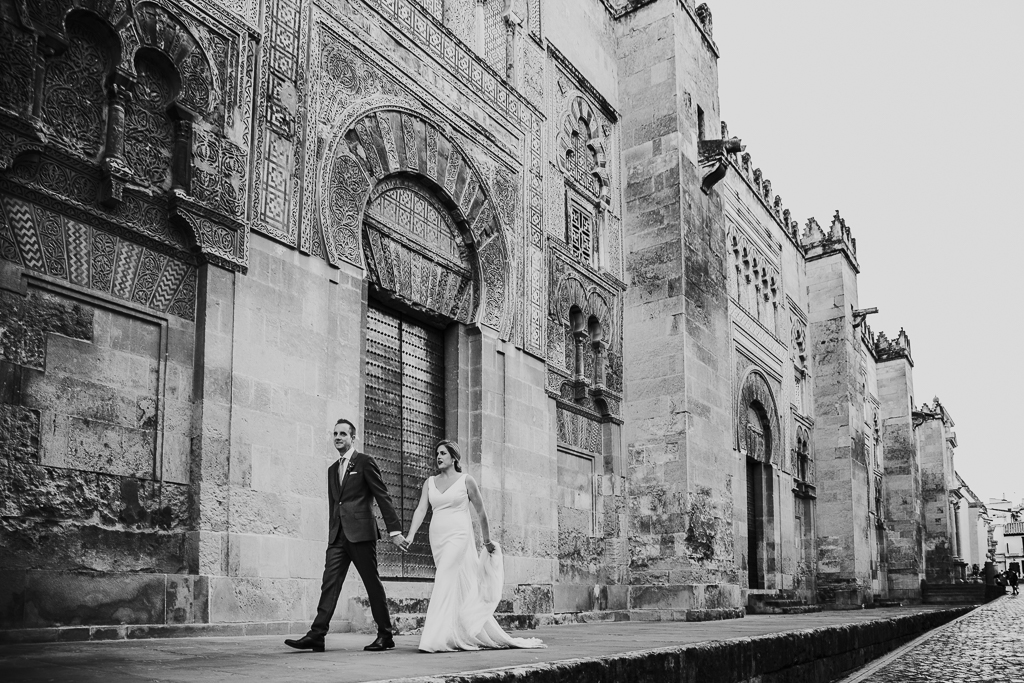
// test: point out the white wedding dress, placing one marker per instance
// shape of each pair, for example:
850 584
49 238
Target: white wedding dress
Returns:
467 585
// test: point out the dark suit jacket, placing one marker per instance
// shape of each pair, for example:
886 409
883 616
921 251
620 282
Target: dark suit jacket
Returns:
352 506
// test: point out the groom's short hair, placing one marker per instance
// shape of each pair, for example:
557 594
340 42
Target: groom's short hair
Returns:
351 426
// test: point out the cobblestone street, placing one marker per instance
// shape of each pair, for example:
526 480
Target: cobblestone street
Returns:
985 646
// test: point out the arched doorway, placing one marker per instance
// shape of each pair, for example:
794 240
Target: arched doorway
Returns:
758 438
402 198
421 280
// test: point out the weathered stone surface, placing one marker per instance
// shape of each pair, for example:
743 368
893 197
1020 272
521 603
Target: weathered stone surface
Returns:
55 518
19 433
65 598
27 322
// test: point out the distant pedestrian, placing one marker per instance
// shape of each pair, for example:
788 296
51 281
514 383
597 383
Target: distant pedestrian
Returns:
1012 577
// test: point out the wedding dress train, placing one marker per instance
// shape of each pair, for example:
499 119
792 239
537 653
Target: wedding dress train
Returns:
467 584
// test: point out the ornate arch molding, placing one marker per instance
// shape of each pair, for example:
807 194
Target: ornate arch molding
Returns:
756 393
581 111
388 140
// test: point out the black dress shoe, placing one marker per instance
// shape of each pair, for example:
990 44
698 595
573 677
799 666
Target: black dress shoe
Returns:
307 643
382 643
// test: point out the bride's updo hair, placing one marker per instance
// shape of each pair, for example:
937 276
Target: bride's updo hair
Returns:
453 450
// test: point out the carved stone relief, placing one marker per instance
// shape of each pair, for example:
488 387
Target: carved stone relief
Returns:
73 100
16 48
123 89
279 136
578 431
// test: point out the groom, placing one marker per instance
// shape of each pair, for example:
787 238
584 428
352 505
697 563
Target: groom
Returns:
353 483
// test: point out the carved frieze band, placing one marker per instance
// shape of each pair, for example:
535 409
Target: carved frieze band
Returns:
54 244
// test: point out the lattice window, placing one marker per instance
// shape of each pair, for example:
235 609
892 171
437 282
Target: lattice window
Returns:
404 420
581 161
798 390
580 233
414 215
149 131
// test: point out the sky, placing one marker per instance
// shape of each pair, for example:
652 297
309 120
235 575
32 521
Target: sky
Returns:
906 117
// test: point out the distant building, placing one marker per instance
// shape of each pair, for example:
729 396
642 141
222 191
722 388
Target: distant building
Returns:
1007 532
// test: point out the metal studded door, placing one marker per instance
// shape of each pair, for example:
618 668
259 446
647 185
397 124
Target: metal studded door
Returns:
404 420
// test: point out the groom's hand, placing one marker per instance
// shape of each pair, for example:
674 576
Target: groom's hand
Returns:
400 542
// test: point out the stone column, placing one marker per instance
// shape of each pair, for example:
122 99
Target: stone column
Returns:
481 39
211 422
116 172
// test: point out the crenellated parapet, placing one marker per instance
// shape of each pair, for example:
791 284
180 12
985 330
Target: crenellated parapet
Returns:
818 243
890 349
762 189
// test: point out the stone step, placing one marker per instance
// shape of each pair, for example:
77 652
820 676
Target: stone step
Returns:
953 594
884 602
778 602
784 603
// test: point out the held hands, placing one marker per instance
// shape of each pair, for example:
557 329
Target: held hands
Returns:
401 542
490 546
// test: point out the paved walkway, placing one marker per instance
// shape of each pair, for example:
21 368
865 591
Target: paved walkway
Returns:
265 658
985 646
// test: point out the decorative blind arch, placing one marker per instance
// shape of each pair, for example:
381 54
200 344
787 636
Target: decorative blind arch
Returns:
755 393
392 141
581 149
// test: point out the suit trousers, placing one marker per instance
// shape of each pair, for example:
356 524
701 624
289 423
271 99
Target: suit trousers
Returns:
339 556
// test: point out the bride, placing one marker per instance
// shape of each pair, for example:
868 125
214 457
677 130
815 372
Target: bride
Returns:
467 585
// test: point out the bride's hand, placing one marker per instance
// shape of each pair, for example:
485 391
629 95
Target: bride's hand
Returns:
490 546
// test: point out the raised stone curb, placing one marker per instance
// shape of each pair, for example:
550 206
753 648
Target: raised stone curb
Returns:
405 624
68 634
814 655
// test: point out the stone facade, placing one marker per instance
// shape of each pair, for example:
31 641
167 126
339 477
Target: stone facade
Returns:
520 225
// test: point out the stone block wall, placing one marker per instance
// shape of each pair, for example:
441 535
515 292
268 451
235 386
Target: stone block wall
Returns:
840 465
94 444
677 377
282 363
